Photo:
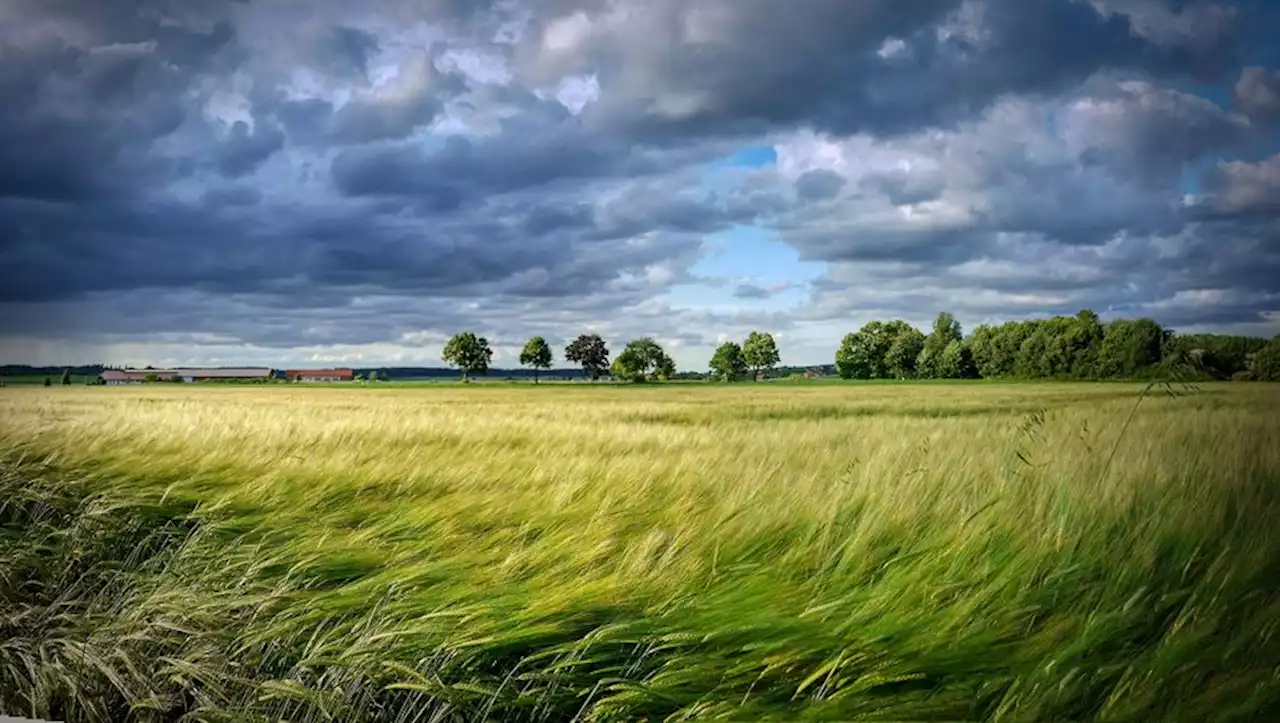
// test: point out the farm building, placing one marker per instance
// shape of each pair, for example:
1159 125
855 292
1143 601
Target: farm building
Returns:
319 375
115 377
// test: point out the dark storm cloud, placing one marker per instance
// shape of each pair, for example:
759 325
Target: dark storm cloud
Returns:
344 49
1216 273
414 100
232 196
883 66
247 149
462 170
74 121
1257 92
819 185
1110 164
1239 188
902 188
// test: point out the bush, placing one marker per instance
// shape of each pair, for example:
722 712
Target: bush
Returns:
1265 363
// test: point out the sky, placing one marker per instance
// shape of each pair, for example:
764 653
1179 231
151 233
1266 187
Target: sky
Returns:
283 182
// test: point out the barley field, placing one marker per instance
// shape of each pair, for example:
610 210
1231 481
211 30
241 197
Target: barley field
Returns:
1017 552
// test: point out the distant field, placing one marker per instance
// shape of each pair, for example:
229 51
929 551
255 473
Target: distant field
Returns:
748 552
38 379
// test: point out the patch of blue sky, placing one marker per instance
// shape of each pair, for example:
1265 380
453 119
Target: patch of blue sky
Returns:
752 157
754 252
748 255
726 173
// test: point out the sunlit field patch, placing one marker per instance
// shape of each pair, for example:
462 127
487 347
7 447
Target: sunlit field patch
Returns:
751 551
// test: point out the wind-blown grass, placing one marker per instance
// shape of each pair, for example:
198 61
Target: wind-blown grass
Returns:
936 552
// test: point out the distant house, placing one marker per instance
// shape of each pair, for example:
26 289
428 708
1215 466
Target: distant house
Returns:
116 377
319 375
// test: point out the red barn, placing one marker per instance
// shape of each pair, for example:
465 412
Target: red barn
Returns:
319 375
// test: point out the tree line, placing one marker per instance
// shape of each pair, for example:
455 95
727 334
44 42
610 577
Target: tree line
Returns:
1062 347
641 359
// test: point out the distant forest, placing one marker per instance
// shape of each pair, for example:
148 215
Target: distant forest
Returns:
1062 347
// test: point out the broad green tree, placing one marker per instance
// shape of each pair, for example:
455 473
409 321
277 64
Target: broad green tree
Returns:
945 330
623 368
761 353
665 369
1219 356
880 350
1130 347
853 358
536 354
469 353
956 362
589 350
862 354
1264 364
906 343
728 364
640 358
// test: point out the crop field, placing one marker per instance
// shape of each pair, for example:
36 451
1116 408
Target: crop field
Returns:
750 552
38 379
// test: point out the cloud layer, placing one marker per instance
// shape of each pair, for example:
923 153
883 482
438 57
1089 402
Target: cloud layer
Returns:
267 182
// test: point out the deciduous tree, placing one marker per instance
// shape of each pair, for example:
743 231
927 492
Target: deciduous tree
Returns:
728 363
1264 364
945 330
468 352
665 369
640 358
853 358
761 352
955 362
590 351
1131 346
906 343
536 354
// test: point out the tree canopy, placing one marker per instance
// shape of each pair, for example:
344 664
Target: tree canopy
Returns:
1062 347
536 354
590 351
880 351
946 330
641 358
728 363
468 352
1264 364
760 352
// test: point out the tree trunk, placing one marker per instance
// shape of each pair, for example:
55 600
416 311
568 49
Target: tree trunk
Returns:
535 375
